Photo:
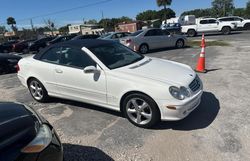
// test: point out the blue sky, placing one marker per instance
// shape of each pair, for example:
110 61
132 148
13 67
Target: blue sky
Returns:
23 9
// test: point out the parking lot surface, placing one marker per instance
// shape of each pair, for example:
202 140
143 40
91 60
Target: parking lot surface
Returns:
217 130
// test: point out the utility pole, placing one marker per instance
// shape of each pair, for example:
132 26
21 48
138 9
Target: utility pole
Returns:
102 15
32 26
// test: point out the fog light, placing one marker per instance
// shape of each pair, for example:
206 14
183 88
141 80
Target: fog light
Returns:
171 107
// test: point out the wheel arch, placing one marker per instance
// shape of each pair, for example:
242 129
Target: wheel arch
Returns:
136 92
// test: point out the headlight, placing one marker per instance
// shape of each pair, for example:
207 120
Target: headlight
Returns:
41 141
179 93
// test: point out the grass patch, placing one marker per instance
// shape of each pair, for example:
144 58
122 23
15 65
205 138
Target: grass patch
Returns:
194 43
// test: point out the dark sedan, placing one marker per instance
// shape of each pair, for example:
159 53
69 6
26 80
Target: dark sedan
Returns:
82 37
26 136
8 63
172 27
39 44
61 39
22 46
7 46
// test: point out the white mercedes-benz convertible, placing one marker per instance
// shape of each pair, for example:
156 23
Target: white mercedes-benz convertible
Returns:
108 74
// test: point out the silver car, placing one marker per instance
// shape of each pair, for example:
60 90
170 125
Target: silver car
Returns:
148 39
115 36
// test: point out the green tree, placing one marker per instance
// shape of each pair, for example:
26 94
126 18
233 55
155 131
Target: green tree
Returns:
223 7
201 12
12 22
239 12
164 3
92 21
64 29
152 14
247 11
2 29
147 15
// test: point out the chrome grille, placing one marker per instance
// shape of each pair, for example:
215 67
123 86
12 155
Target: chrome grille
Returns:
195 84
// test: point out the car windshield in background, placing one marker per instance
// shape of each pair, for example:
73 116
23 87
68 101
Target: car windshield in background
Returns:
136 33
116 55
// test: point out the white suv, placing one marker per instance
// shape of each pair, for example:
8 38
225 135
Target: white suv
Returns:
241 23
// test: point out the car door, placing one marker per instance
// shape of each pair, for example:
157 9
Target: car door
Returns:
45 68
153 39
213 25
165 37
202 26
74 83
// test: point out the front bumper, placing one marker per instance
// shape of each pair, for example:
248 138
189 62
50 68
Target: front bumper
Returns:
183 109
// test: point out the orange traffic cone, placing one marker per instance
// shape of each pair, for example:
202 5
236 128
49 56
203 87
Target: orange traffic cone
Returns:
201 61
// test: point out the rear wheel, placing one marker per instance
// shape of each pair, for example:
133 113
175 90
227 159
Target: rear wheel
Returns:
37 90
226 30
179 44
143 49
141 110
191 33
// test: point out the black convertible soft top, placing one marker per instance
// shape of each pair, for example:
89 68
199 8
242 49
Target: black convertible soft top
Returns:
88 43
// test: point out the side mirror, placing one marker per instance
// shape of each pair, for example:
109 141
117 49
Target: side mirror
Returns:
90 69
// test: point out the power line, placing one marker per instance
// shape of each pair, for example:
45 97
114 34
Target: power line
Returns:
63 11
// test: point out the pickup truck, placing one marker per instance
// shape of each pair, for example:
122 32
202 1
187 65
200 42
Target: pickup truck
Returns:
208 25
241 22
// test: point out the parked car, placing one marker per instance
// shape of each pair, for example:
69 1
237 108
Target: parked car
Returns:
148 39
241 22
8 63
81 37
172 27
114 36
39 44
22 46
7 46
108 74
60 39
209 25
27 136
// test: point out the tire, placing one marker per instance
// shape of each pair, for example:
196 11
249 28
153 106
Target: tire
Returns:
247 26
226 30
143 49
37 90
141 110
191 33
179 44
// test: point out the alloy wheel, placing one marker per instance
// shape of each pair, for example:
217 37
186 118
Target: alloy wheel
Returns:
36 90
139 111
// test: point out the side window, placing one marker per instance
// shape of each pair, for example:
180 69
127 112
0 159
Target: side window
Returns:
51 56
203 22
212 21
75 58
150 33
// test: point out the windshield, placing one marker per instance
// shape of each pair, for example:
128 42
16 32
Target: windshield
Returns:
136 33
115 55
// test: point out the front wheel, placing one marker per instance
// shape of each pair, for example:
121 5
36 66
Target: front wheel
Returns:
226 30
37 90
141 110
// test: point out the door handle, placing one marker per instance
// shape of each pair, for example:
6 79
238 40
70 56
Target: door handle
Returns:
58 71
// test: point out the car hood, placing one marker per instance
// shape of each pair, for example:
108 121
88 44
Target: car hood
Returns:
165 71
17 126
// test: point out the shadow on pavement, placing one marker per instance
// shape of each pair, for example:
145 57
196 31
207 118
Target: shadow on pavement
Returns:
200 118
84 153
86 106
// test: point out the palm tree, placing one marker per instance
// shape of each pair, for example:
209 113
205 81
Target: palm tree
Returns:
164 3
11 21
